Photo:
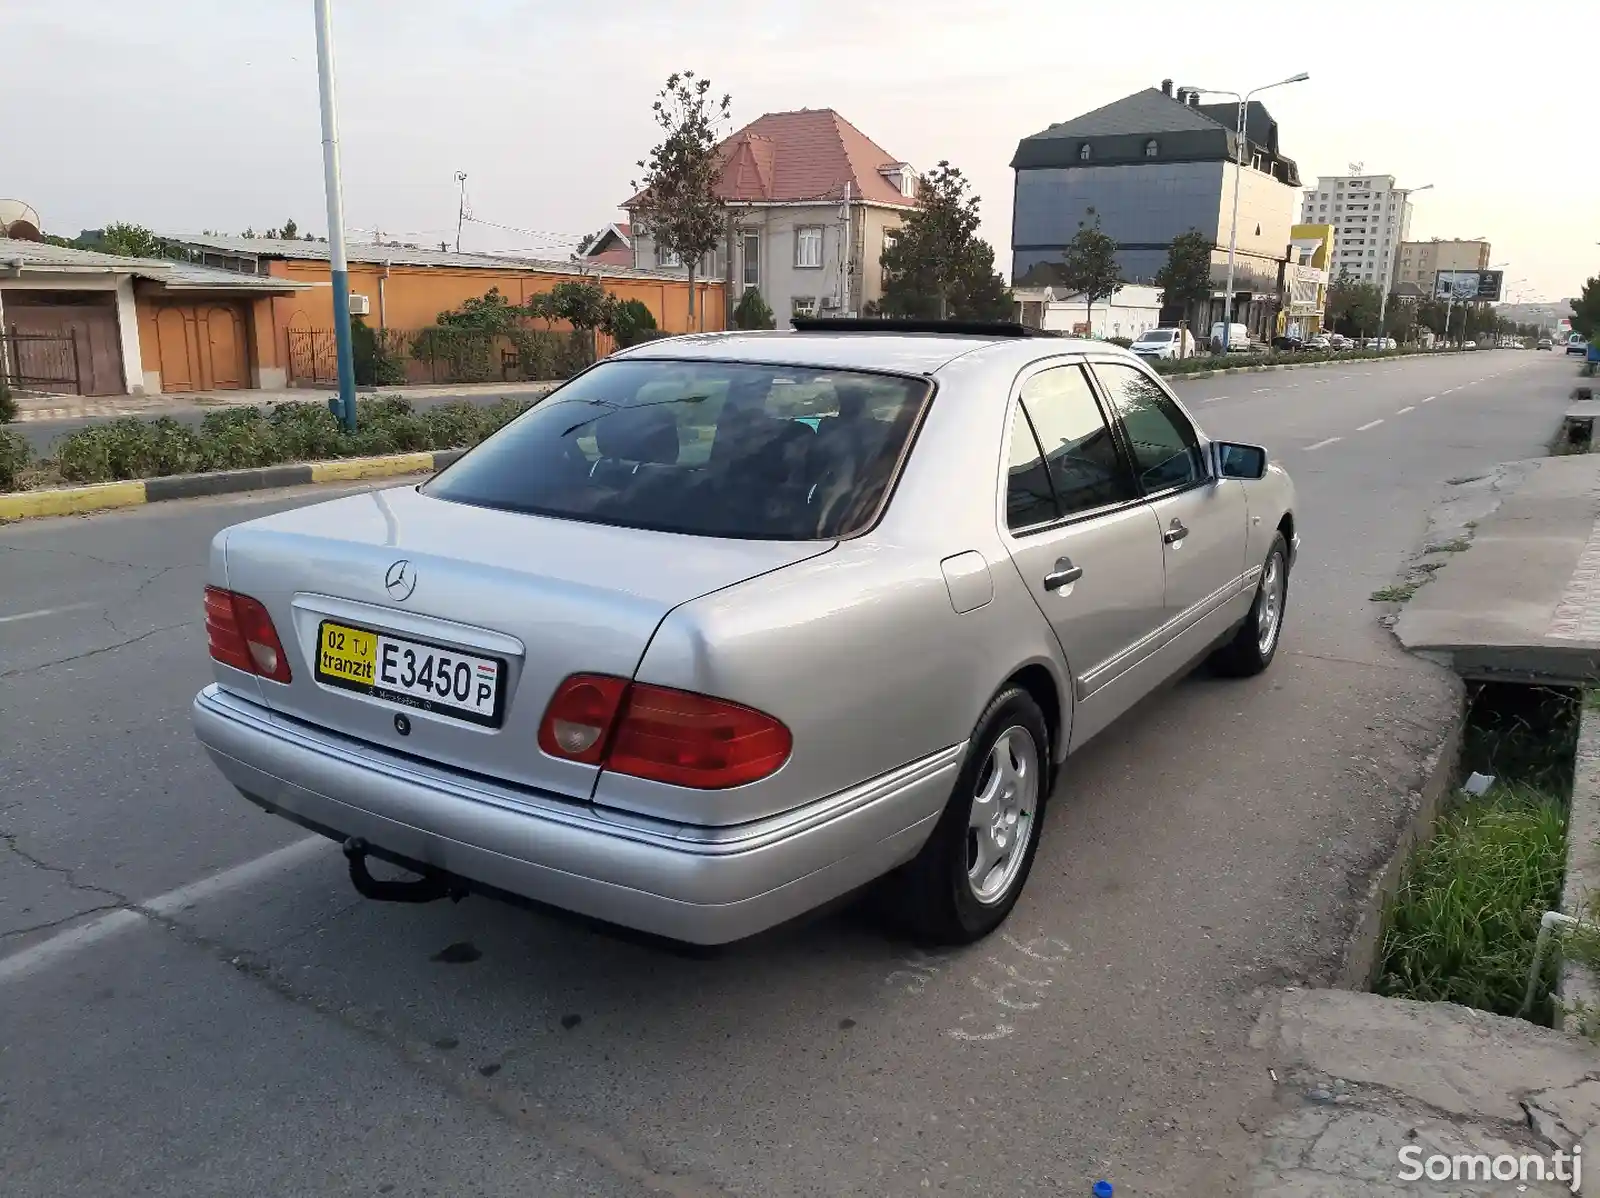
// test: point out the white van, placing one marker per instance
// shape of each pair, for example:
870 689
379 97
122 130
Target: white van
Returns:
1164 343
1238 337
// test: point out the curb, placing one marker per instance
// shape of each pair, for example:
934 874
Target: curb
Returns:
76 501
1178 376
1578 990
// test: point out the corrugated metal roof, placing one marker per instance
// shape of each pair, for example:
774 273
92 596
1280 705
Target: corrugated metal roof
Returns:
320 251
41 255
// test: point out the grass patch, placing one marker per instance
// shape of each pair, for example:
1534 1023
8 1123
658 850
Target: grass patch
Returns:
1463 924
239 438
1399 592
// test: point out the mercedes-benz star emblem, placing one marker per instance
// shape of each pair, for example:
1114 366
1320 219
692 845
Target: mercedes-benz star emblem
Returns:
400 581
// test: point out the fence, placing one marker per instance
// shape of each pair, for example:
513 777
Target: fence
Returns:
41 361
441 355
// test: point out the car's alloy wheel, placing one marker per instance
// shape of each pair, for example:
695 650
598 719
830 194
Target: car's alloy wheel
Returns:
1000 823
1269 604
1255 644
967 877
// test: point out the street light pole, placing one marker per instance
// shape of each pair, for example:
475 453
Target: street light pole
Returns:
340 267
1238 173
1386 268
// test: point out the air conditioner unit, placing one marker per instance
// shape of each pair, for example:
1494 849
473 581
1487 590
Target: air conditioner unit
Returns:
359 305
830 301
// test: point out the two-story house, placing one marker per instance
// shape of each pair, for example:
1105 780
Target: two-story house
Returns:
815 201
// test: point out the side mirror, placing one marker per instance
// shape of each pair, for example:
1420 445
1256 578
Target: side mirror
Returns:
1239 461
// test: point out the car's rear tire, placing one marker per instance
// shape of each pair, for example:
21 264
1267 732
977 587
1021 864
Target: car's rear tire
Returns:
966 879
1255 644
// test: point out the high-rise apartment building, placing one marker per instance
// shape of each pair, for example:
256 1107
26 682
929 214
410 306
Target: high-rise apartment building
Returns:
1420 261
1370 218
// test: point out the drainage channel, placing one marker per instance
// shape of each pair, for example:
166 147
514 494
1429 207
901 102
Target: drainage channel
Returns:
1463 922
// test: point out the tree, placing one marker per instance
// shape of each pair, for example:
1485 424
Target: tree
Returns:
1185 278
1586 310
753 312
1353 306
1089 264
488 313
290 230
584 305
128 240
936 267
629 322
677 204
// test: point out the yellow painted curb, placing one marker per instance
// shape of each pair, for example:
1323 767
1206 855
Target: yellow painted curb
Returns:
356 468
70 501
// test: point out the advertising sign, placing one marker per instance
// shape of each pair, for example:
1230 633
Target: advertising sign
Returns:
1467 285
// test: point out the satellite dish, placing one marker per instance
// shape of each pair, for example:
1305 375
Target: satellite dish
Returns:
20 221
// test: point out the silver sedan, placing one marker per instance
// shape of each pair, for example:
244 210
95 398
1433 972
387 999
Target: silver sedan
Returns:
731 625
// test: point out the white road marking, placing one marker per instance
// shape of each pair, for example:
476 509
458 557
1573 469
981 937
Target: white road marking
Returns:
1321 444
1430 399
1261 390
66 944
1403 411
1369 424
43 611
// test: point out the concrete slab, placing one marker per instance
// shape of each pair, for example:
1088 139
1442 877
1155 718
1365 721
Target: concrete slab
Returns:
1523 602
1579 989
1582 411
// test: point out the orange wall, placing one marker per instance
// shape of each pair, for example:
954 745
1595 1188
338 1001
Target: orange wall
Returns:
263 352
413 296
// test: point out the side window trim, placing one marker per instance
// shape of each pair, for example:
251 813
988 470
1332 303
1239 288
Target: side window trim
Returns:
1107 413
1126 442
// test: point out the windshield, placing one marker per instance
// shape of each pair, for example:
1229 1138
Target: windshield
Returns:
1156 335
717 449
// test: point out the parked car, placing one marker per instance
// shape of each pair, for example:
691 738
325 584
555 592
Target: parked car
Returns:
1469 345
661 652
1288 345
1340 341
1577 344
1238 338
1163 343
1319 342
1546 343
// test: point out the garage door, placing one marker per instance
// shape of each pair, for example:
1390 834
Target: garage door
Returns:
92 327
202 347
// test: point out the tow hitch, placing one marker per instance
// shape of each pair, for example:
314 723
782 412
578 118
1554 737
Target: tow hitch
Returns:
431 885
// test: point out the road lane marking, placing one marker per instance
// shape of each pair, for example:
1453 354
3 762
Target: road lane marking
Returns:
43 611
1430 399
1321 444
73 941
1369 424
1261 390
1403 411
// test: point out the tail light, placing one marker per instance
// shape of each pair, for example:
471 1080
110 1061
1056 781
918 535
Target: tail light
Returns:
241 635
661 734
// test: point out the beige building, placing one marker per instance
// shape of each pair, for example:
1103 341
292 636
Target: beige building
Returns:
1370 216
1419 261
815 202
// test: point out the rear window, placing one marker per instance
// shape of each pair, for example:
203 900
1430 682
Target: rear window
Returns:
1156 335
718 449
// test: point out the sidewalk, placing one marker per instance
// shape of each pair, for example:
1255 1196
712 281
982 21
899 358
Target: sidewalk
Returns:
35 407
1358 1079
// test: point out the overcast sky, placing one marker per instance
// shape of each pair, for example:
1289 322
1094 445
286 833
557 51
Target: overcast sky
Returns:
190 114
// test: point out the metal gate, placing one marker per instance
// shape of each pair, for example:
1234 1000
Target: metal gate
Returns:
41 361
313 356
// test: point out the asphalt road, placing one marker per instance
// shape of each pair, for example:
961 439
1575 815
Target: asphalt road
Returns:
196 1002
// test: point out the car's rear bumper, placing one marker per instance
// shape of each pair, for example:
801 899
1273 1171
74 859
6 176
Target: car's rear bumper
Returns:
697 884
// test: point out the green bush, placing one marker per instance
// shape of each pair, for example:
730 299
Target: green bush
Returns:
238 439
8 406
753 312
1125 342
130 448
171 448
305 431
456 424
14 458
632 322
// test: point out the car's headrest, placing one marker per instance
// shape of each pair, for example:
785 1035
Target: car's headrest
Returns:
643 434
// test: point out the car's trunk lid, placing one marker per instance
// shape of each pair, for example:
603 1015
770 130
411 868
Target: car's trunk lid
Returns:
529 598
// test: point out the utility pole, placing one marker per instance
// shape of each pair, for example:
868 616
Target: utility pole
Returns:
461 206
727 274
340 267
846 250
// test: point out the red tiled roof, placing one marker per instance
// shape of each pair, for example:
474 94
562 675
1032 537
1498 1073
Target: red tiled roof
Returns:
806 155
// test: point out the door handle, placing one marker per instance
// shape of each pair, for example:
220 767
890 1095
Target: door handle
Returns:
1176 531
1065 574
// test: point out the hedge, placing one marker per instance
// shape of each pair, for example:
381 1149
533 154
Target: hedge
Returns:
239 438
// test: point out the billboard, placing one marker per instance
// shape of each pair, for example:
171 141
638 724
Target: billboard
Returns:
1465 285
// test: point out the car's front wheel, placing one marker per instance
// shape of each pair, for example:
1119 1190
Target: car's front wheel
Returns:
968 876
1255 644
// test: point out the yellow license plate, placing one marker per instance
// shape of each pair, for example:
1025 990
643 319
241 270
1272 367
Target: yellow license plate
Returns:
347 654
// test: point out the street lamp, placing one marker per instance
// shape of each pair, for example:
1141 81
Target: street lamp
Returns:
1238 173
1386 269
339 268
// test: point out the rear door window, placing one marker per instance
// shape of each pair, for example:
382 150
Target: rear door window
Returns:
707 448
